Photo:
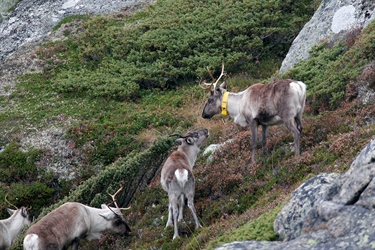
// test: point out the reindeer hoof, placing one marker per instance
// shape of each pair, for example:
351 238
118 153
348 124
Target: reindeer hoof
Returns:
176 236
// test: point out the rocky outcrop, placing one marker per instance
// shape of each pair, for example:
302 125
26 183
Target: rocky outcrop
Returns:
332 19
31 23
329 211
5 6
32 20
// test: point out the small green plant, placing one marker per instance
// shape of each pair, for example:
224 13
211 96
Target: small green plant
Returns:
260 229
17 165
22 180
70 19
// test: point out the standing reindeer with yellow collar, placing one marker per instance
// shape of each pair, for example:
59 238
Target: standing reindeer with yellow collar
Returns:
282 101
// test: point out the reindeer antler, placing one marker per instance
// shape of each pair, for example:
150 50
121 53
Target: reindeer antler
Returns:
209 85
182 136
113 196
175 135
9 202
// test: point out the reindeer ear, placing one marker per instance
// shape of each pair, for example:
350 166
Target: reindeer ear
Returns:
190 140
24 212
224 85
108 215
179 141
11 211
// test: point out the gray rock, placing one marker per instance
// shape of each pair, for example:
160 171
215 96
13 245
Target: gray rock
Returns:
367 156
332 19
354 184
211 149
367 198
329 211
5 6
289 221
32 20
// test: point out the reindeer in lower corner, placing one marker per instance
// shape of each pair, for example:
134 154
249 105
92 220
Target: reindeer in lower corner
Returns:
282 101
68 224
10 228
177 177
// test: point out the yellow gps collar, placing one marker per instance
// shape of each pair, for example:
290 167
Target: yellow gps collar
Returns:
224 111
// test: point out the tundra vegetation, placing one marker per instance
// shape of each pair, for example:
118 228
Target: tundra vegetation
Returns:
126 81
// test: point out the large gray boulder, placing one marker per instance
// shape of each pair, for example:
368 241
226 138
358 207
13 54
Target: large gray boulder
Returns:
332 19
5 6
32 20
329 211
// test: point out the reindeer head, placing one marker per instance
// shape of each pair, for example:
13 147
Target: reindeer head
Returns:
115 217
213 104
215 99
116 222
195 138
22 214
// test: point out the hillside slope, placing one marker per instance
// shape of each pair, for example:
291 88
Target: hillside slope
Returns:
103 115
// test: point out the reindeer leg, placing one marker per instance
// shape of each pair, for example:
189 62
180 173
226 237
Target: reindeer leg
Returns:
173 210
75 244
170 212
291 125
180 209
190 198
254 138
264 136
175 215
298 120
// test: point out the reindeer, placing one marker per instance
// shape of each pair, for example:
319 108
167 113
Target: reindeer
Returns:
177 177
10 228
270 104
68 224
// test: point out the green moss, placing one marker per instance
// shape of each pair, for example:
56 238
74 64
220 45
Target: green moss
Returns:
260 229
70 19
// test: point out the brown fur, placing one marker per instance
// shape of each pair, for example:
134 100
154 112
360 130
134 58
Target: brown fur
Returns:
177 160
263 104
177 178
59 223
68 224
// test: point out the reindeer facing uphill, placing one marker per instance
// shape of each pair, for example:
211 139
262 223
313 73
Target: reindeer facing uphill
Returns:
271 104
10 228
68 224
177 177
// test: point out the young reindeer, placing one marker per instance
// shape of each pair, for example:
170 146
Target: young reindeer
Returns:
270 104
10 228
68 224
177 177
